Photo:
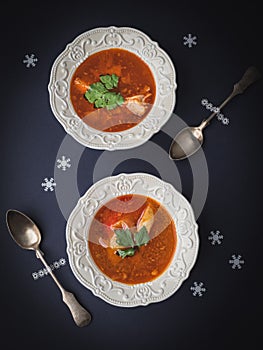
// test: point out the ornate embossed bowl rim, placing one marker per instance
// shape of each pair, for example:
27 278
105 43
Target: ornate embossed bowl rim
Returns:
87 272
96 40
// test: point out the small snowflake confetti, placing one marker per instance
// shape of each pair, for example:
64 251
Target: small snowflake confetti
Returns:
215 237
225 121
236 262
63 163
198 289
62 261
190 40
48 184
30 60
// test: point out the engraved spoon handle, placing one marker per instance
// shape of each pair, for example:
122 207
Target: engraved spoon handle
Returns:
80 315
251 75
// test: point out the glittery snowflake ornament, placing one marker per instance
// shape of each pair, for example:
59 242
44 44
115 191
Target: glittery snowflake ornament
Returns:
48 184
190 40
63 163
198 289
236 262
215 237
30 61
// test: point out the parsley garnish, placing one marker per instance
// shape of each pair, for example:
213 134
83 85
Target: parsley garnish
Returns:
125 239
126 252
99 94
110 81
142 237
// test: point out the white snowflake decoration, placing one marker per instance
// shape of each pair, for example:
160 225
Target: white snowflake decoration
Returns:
48 184
215 237
62 261
236 262
30 60
41 273
190 40
44 272
225 121
63 163
198 289
220 116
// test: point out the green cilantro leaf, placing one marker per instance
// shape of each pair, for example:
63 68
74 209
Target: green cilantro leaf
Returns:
99 102
115 80
92 95
113 100
142 237
126 252
107 81
124 237
99 94
119 99
99 87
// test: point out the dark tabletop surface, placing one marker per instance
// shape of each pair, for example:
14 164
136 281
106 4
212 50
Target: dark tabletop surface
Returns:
220 305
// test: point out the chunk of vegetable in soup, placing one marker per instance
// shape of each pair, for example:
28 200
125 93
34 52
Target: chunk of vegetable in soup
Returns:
149 260
136 85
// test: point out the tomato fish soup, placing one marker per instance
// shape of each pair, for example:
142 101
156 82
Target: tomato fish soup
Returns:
112 90
132 239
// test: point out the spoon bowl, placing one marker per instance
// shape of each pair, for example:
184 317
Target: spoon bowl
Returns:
186 142
23 230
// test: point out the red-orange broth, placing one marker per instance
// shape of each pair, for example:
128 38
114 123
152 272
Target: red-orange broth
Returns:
149 261
135 79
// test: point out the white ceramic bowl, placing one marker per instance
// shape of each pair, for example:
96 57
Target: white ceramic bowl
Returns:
96 40
88 273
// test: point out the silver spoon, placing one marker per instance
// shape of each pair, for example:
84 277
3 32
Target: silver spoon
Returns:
27 235
191 138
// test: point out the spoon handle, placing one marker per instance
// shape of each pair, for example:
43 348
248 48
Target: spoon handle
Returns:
251 75
80 315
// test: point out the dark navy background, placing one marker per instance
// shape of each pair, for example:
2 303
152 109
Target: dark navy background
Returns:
229 314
